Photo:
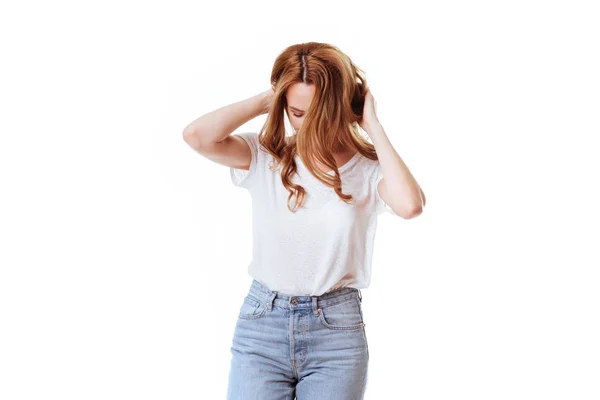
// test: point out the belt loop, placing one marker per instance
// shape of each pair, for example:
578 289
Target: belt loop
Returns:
314 305
271 300
359 295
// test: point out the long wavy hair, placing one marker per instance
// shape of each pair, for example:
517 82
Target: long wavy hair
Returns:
330 123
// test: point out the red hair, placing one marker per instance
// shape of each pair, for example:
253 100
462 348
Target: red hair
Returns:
331 121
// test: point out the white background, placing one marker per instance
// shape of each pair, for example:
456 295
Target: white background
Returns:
124 252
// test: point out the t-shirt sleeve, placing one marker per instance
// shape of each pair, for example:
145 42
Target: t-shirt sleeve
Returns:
241 177
380 205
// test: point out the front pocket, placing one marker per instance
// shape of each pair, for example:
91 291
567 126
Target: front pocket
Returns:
345 315
252 308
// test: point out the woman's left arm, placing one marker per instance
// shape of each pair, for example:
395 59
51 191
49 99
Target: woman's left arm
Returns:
398 188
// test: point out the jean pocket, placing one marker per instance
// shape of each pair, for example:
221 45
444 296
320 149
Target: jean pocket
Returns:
344 315
252 308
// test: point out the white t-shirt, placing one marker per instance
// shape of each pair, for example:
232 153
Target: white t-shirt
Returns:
326 244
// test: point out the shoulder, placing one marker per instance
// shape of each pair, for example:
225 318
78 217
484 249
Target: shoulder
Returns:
367 169
253 139
374 178
247 177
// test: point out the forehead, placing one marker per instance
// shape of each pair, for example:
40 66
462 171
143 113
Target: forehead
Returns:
299 95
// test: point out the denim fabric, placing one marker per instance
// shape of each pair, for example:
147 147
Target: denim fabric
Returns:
289 347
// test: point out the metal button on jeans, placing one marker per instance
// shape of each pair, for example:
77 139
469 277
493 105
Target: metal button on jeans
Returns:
294 301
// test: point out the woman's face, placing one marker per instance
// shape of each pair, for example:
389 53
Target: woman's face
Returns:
298 96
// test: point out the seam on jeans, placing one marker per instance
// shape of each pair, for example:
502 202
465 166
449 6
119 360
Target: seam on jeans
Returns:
254 316
350 327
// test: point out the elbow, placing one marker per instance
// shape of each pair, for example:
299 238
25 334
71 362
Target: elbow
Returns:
193 139
415 212
416 206
411 211
188 135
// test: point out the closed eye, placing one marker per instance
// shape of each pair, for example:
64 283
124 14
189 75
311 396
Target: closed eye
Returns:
297 116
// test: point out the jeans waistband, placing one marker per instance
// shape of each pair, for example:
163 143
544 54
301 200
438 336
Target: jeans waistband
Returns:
274 298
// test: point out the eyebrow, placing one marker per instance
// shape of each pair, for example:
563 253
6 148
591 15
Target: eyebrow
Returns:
296 109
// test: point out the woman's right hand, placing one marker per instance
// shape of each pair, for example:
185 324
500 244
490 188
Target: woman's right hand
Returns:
267 100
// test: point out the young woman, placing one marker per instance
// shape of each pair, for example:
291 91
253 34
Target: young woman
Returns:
316 195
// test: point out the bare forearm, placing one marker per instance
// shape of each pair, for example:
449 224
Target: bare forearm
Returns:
216 125
400 183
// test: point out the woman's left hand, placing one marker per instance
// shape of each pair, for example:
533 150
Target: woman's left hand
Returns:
369 116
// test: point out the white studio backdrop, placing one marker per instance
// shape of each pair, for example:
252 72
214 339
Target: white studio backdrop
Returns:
124 252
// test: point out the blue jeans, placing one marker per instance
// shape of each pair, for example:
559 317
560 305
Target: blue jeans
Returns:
303 347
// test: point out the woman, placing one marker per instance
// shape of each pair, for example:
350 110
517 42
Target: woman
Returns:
316 195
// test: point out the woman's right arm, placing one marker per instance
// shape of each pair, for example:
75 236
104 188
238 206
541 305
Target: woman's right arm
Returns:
210 134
